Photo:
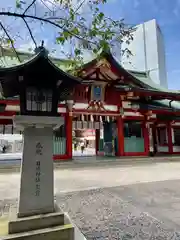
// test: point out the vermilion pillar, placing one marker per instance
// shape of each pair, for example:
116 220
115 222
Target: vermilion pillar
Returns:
120 135
146 137
169 134
68 124
97 140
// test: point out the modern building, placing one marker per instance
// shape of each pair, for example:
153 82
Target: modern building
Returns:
148 52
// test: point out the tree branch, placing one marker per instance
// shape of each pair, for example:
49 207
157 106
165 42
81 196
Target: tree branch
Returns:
46 6
30 32
80 5
11 41
22 16
29 6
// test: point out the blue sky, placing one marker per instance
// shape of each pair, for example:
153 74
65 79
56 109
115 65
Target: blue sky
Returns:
166 12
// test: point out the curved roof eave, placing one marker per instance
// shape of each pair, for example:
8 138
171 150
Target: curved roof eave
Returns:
40 54
169 103
149 84
108 55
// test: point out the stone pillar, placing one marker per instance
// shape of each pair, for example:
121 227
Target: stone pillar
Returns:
37 183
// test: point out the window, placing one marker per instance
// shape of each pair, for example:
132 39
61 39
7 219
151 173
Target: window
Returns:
133 128
38 100
176 136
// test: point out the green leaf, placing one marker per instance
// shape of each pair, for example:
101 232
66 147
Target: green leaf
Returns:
66 35
77 51
72 15
95 50
92 33
8 41
75 31
104 45
100 16
18 3
60 39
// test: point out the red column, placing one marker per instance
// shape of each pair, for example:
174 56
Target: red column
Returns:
68 123
169 134
97 140
146 137
120 135
154 136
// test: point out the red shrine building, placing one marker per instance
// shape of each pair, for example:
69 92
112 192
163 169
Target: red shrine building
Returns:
131 115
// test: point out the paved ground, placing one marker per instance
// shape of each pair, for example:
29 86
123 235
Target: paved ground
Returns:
139 202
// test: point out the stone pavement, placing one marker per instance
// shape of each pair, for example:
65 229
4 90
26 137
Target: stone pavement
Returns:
109 214
119 202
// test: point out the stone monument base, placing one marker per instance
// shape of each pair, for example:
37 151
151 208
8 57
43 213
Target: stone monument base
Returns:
56 226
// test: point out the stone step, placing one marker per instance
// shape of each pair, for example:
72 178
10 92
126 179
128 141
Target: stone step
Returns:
36 222
65 232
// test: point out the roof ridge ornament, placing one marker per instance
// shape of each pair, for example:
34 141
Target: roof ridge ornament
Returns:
41 49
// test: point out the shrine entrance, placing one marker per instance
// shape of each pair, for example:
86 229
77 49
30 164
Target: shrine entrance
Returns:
94 135
11 141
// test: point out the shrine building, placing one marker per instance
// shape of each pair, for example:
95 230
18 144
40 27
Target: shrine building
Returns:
137 116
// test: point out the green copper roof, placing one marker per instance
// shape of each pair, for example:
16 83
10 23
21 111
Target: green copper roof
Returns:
175 105
8 59
143 77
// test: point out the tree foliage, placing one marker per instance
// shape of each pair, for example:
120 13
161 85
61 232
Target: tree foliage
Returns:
92 31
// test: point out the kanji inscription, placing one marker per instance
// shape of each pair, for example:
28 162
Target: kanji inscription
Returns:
39 152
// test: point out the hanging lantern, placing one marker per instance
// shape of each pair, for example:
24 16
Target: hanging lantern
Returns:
121 111
107 118
149 113
134 106
91 118
130 94
122 97
70 104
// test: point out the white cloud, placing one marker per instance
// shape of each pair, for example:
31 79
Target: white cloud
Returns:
27 47
30 47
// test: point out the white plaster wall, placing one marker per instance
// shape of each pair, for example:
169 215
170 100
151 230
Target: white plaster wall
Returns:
148 52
